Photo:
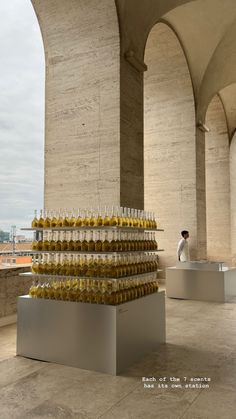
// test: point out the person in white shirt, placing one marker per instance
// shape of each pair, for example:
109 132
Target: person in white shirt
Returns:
183 250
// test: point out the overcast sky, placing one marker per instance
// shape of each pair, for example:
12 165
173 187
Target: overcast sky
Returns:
21 114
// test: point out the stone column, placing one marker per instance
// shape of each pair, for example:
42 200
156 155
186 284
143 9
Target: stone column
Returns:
217 184
94 107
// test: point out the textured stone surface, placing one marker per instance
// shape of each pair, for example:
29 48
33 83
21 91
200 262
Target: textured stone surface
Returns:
82 147
169 143
201 339
11 286
217 184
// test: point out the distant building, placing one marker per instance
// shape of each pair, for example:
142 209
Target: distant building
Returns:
4 236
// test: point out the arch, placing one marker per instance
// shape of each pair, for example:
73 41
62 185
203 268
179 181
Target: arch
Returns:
169 139
217 183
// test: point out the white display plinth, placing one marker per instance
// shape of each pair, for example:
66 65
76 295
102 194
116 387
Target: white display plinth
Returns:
96 337
204 285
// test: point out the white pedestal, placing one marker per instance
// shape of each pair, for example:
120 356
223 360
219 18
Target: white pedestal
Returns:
95 337
204 285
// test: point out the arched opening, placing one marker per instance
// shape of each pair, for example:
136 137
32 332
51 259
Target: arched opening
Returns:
217 183
169 140
21 114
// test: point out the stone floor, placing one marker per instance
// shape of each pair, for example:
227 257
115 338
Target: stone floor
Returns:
201 342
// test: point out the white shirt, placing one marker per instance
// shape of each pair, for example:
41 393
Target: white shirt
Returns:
183 251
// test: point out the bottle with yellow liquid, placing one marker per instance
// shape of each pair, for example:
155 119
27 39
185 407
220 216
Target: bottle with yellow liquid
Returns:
84 244
77 243
47 219
91 267
58 242
53 218
91 243
86 219
72 218
40 242
60 219
34 223
64 243
107 218
65 219
114 217
129 218
41 220
52 242
99 221
46 243
106 243
113 243
93 219
34 267
78 222
40 265
98 243
32 290
34 243
71 242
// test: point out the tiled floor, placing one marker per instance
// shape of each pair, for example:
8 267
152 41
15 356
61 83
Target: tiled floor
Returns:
201 342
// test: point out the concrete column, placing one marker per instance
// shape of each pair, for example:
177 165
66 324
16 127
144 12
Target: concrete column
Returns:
174 156
217 184
94 107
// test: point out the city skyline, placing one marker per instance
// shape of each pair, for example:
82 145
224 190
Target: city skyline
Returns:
21 114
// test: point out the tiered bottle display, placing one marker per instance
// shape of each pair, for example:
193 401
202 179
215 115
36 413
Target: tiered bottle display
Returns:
103 257
115 216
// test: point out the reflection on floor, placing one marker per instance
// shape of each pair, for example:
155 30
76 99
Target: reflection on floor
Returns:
201 341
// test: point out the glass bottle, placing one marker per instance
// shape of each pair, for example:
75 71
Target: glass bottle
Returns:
53 219
34 243
65 220
86 219
34 223
64 243
40 242
107 219
106 243
72 218
78 243
45 244
60 219
93 219
99 218
114 217
71 243
57 242
47 219
113 244
41 219
34 267
52 242
98 243
84 244
78 222
91 243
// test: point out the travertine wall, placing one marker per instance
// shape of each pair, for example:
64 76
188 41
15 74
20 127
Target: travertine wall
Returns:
82 146
233 198
217 184
11 287
170 151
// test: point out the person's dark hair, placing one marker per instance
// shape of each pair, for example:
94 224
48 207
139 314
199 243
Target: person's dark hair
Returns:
184 232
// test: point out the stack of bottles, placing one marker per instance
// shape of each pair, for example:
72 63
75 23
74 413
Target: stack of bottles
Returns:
99 266
105 241
114 216
111 292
